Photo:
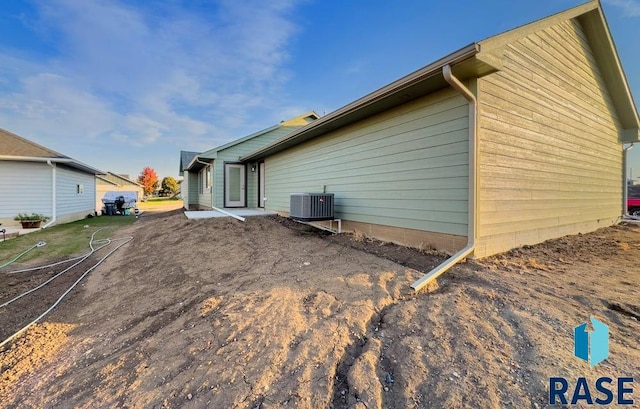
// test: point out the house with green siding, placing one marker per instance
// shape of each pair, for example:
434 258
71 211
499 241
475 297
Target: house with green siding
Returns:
509 141
217 179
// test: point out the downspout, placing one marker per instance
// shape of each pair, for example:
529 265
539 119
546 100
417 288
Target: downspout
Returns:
235 216
625 186
53 195
471 223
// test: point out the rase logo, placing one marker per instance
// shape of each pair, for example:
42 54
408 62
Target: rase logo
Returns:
591 347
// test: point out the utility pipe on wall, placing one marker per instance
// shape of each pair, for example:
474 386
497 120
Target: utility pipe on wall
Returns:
471 222
53 195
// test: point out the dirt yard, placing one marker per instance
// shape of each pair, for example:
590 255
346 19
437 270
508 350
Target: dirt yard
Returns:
268 314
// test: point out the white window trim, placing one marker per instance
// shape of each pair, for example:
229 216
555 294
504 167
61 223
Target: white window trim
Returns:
204 179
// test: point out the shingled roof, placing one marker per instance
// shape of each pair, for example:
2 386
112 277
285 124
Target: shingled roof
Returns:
14 145
17 148
185 159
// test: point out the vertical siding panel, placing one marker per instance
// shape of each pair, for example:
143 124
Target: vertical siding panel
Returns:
549 155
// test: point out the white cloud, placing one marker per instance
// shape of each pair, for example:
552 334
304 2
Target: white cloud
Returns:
50 106
630 8
147 73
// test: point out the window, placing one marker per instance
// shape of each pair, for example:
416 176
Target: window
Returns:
80 189
205 179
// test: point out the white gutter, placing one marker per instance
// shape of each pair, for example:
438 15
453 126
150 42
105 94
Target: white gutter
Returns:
471 223
53 195
625 186
36 159
68 161
196 159
390 90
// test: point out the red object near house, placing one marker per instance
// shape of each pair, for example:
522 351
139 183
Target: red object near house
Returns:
633 206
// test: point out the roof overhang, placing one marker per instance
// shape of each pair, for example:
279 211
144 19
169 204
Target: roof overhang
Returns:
72 163
107 181
630 136
198 163
129 181
598 34
415 85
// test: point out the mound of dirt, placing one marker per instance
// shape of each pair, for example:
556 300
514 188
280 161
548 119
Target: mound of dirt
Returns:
263 314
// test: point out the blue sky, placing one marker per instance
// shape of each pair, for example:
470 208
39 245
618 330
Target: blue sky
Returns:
121 85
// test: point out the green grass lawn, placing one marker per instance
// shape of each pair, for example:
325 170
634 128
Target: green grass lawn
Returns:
65 240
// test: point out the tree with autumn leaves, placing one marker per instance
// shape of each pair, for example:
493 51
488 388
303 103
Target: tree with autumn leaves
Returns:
149 180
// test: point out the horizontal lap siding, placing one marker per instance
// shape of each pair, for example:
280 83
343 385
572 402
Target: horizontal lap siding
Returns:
71 205
204 198
550 160
203 194
406 167
24 188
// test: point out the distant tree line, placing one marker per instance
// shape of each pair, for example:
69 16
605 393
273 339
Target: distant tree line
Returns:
149 180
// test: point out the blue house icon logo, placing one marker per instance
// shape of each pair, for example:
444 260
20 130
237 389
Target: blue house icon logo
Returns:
591 346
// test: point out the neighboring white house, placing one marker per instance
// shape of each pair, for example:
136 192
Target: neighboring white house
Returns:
35 179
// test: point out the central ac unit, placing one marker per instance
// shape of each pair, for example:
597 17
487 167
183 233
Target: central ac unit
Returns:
308 207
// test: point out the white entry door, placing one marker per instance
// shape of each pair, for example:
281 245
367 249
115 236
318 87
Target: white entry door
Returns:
261 194
234 185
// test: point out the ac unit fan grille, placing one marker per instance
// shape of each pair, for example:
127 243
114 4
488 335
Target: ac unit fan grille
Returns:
311 206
